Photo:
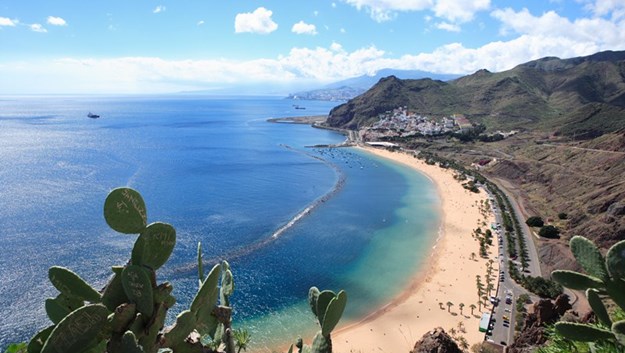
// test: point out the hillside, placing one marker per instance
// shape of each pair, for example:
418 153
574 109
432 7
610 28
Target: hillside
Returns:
580 97
349 88
569 157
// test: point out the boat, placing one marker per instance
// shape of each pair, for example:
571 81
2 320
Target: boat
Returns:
92 116
298 107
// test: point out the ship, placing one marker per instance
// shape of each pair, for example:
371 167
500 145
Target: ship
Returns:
92 116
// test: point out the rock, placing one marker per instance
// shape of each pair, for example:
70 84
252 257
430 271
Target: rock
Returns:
436 341
616 209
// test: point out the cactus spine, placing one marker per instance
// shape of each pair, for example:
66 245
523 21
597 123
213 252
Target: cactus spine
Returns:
605 276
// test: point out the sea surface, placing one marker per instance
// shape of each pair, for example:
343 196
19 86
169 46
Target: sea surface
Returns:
215 169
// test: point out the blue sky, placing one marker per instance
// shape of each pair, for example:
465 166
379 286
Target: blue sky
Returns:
143 46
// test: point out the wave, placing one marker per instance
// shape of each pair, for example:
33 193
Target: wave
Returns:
251 248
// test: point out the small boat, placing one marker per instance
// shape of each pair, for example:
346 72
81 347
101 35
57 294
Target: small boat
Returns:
92 116
298 107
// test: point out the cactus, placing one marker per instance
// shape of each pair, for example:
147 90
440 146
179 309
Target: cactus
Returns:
124 211
70 284
128 315
154 245
77 330
605 276
328 307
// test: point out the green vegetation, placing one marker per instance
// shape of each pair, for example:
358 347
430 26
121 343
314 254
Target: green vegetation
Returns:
549 231
535 221
605 279
128 315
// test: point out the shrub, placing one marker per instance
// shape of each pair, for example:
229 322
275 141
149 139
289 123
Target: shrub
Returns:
562 215
549 231
535 221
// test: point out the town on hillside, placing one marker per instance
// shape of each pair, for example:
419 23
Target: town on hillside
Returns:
401 122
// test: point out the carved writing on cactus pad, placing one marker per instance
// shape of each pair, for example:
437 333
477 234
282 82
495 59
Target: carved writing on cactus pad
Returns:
77 330
135 204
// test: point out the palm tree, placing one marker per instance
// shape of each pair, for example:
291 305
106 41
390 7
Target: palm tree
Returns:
479 305
461 305
449 305
440 304
489 287
473 256
472 306
242 338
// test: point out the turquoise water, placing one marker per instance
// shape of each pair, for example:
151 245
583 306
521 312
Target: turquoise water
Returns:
216 170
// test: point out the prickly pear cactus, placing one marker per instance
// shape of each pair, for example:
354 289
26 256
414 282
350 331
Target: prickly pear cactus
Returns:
604 276
328 307
128 315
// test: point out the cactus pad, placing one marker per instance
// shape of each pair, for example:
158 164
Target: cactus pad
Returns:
597 306
618 328
582 332
615 259
154 245
575 280
138 289
333 313
322 304
36 343
114 294
589 257
208 293
321 344
313 296
130 344
77 331
124 211
70 284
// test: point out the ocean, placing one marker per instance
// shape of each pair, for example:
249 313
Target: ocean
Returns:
215 169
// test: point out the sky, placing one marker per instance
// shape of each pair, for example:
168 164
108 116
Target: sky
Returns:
277 46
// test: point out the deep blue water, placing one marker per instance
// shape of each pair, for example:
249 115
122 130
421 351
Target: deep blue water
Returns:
217 171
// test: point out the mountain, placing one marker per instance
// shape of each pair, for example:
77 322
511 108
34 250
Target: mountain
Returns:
581 97
352 87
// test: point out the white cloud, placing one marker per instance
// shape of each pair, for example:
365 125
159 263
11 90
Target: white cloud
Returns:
333 5
315 13
201 22
336 46
36 27
56 21
258 21
342 30
593 32
7 22
614 8
459 11
448 27
159 9
302 27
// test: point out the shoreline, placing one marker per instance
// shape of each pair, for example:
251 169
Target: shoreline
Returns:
421 306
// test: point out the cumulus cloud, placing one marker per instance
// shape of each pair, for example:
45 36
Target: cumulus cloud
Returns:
596 32
258 21
458 11
56 21
448 27
36 27
159 9
529 37
302 27
7 22
613 8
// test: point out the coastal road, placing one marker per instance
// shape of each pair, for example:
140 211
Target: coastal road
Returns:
534 261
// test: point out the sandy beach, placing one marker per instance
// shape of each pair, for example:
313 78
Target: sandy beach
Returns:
449 276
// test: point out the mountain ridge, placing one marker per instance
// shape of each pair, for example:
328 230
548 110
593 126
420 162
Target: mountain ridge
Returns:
544 94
